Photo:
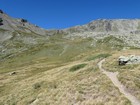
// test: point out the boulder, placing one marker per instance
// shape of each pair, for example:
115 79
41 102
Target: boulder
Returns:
13 73
132 59
123 60
24 21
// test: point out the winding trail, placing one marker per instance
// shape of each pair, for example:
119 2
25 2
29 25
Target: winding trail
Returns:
114 79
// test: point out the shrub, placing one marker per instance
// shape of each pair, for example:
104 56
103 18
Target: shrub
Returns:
77 67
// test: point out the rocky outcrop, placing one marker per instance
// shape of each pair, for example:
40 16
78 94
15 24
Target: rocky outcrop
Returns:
24 20
132 59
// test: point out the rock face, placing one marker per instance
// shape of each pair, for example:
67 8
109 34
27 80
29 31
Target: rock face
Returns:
126 29
111 26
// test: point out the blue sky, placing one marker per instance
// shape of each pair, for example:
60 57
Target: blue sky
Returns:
58 14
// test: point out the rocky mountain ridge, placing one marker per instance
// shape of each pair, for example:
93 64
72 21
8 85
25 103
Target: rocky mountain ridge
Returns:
100 26
127 30
73 66
18 35
118 26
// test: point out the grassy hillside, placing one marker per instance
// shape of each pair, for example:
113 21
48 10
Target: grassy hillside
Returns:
60 71
59 86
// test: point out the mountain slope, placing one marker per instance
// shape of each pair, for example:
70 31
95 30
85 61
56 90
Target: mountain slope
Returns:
112 26
59 67
18 35
127 30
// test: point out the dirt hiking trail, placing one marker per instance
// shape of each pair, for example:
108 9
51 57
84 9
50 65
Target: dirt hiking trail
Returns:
114 79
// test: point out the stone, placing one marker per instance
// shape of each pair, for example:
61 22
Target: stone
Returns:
123 60
13 73
24 20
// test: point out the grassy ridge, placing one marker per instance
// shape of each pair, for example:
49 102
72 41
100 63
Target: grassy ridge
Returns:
45 74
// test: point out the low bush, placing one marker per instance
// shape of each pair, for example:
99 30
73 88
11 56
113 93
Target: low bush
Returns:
77 67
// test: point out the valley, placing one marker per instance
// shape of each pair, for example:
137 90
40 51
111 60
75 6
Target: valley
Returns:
60 67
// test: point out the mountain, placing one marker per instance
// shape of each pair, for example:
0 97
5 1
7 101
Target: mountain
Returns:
110 26
18 35
127 30
97 28
72 66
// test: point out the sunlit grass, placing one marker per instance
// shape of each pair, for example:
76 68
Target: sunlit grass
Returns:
98 56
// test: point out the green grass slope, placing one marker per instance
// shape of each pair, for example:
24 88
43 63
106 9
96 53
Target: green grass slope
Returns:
59 71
